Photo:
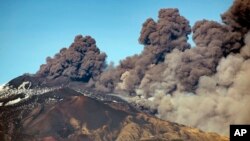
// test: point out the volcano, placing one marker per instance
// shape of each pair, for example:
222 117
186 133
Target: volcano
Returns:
170 91
64 114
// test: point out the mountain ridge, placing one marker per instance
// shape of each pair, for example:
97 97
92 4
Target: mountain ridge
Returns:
72 116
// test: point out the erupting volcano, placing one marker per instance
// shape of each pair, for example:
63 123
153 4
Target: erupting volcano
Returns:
163 93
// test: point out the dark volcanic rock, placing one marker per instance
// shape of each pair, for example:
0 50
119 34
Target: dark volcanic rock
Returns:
34 81
66 115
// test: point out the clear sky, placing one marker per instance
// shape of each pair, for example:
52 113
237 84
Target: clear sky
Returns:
31 30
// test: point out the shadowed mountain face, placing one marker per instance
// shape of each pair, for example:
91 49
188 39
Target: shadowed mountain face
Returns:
66 115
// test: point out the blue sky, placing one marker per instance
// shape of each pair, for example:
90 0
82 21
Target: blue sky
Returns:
31 30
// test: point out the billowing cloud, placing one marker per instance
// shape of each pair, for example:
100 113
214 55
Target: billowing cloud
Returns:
160 38
206 86
81 61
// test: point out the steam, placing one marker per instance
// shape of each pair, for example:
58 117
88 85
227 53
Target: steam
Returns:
82 61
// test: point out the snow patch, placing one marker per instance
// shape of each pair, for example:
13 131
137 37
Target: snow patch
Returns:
24 84
13 101
1 87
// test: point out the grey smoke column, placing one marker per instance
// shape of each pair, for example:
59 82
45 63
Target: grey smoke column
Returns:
81 61
168 33
159 38
205 86
213 40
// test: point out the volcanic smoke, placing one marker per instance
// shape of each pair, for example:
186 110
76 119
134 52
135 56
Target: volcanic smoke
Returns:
206 86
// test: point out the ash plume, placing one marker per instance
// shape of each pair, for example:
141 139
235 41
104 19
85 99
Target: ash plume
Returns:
238 16
206 86
203 86
213 41
169 32
160 38
82 61
219 100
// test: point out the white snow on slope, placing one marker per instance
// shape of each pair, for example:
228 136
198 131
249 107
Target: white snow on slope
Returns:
13 101
1 87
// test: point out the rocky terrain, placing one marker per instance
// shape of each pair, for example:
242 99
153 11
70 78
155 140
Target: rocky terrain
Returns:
63 114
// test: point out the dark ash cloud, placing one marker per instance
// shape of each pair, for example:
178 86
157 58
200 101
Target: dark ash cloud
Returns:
81 61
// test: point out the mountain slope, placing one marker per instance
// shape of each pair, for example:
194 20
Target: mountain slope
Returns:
66 115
